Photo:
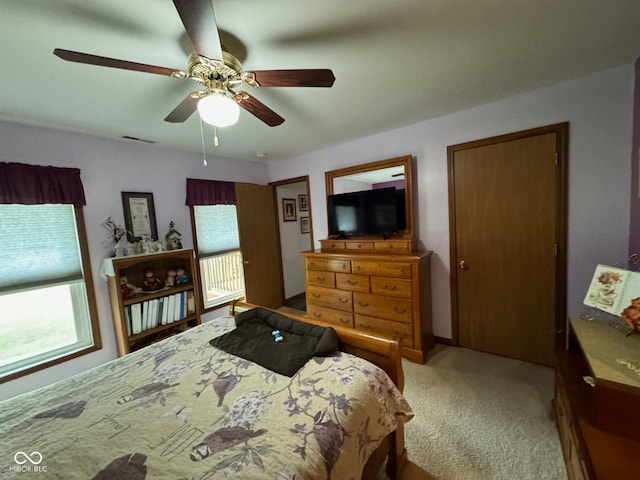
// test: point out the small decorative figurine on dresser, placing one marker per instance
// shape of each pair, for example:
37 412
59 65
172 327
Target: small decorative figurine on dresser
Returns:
173 238
182 276
151 282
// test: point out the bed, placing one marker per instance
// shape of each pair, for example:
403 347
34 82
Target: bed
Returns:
183 409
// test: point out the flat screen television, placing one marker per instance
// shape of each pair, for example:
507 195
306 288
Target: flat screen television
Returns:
368 212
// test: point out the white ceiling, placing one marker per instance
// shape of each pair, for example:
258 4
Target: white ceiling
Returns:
395 62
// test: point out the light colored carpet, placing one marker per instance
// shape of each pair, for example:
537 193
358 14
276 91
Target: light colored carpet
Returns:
480 417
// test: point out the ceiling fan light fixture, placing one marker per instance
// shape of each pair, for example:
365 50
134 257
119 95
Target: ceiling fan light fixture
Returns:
218 110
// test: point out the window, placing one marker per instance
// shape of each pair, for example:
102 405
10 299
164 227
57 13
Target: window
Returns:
220 259
46 291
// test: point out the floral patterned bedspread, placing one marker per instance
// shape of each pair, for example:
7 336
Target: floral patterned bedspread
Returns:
182 409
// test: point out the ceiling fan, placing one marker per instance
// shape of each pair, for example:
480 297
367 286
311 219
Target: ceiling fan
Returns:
216 70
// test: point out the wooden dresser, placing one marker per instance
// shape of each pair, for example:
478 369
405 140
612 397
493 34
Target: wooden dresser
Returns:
597 402
373 290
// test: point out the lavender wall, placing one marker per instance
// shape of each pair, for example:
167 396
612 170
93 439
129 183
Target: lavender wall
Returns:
634 220
109 167
599 109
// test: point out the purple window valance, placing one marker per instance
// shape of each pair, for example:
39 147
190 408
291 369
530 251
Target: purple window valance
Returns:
35 184
210 192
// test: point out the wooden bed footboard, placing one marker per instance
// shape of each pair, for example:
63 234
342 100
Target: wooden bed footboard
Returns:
381 351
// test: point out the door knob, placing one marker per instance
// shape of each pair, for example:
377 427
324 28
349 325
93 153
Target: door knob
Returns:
247 262
462 265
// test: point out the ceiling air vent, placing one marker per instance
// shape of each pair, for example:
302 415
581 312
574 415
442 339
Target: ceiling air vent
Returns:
136 139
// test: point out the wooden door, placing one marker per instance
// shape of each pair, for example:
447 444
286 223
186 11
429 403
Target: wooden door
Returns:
259 244
507 219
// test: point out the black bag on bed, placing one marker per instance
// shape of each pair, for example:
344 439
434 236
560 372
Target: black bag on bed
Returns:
253 340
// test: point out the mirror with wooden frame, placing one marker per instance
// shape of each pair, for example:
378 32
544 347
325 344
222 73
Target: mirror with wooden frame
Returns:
373 175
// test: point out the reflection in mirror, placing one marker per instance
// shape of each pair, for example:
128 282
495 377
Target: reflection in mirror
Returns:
385 177
393 172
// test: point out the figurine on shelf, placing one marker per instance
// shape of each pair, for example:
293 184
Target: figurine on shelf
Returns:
182 276
127 289
171 278
151 282
173 238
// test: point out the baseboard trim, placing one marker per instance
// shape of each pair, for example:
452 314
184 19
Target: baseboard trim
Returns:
444 341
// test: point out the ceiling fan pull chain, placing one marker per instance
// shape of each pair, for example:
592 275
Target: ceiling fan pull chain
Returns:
204 154
215 136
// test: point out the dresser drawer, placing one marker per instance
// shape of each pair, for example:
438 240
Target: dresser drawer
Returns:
380 306
360 246
330 315
397 287
321 278
394 246
330 297
386 327
331 245
328 265
384 269
355 283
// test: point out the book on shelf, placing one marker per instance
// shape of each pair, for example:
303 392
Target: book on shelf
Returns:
170 308
160 309
136 318
127 318
165 311
176 312
613 290
191 302
153 313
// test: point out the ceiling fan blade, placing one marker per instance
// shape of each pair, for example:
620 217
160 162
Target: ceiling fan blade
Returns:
199 22
320 77
257 109
184 109
79 57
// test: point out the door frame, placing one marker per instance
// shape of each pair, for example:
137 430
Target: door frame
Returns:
302 179
562 155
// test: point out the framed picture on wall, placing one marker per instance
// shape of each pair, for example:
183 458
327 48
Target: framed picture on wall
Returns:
289 210
139 216
303 204
304 225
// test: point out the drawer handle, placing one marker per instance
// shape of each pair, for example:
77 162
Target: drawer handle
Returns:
343 300
400 310
363 304
320 279
402 270
393 287
364 326
317 315
315 295
352 282
344 267
344 321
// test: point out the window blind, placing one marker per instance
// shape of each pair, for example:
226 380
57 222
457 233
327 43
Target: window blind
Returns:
217 229
42 246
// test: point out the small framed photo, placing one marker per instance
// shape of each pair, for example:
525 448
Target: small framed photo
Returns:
139 216
289 210
304 225
303 203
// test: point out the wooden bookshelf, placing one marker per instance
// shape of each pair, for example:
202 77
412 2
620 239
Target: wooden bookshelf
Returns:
163 317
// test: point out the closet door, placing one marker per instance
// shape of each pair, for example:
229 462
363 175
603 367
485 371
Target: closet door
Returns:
507 219
260 244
